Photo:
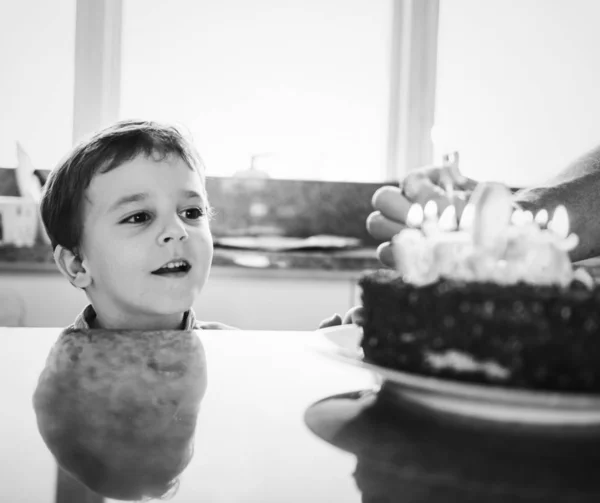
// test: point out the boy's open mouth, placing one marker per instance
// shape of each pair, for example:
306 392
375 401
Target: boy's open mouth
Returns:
174 267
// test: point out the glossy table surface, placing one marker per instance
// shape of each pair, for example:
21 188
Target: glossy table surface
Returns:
281 423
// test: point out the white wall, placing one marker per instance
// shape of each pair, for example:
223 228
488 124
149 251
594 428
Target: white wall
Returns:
518 85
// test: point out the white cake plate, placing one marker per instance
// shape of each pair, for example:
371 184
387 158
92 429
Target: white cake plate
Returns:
495 403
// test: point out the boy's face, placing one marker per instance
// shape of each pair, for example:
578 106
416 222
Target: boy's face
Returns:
138 218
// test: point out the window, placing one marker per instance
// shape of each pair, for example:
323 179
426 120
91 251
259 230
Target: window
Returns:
518 82
306 88
37 43
302 82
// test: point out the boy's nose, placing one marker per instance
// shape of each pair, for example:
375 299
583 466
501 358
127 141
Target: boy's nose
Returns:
173 232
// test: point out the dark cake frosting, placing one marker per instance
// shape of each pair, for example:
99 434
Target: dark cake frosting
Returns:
540 337
494 301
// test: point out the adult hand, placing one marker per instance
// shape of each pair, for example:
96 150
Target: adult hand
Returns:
444 185
354 315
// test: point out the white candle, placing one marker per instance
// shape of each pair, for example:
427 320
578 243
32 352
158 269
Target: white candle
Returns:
520 217
467 217
541 218
517 218
414 217
430 222
569 243
431 211
493 211
448 219
560 222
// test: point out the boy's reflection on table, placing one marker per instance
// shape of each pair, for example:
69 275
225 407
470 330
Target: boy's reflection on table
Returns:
118 411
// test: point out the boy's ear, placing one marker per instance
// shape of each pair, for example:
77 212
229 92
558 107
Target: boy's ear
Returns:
72 267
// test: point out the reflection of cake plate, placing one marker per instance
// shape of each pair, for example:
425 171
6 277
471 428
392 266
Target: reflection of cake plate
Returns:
489 402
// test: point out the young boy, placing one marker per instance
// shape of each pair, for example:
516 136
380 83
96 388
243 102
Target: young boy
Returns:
127 215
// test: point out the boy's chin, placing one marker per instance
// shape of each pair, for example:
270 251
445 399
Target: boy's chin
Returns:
143 309
173 310
176 305
171 302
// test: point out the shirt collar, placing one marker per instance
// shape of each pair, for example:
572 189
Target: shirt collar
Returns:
86 317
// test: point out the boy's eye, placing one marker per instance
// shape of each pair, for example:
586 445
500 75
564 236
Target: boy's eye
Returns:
137 218
193 213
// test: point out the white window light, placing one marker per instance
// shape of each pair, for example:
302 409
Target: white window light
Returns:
97 65
412 86
412 77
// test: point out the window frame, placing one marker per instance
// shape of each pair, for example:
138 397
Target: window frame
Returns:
97 90
412 82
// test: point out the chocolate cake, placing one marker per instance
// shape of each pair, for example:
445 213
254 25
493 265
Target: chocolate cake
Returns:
471 317
529 336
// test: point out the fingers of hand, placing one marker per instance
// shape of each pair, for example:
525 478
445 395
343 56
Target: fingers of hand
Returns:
332 321
421 189
392 203
469 185
384 252
381 227
444 185
460 180
354 315
441 176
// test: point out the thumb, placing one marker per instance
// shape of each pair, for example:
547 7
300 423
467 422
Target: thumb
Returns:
332 321
461 180
354 315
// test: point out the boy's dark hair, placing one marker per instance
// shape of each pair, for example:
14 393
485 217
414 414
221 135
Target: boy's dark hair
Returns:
64 191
